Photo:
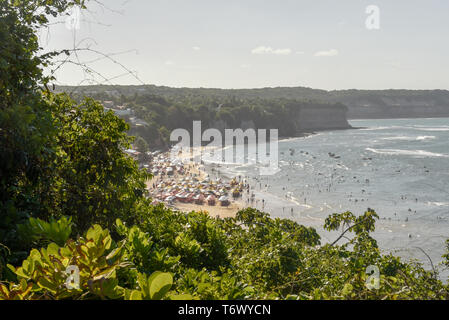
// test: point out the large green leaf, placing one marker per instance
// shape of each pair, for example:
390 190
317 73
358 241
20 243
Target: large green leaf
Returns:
159 284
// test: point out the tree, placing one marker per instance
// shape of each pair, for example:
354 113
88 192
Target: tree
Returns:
141 145
93 180
58 158
26 128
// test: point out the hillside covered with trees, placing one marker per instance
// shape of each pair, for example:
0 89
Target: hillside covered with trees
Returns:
70 198
361 104
293 110
166 110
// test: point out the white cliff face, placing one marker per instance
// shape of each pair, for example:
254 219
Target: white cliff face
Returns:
397 105
316 118
308 118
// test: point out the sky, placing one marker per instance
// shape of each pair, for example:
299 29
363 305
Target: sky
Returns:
322 44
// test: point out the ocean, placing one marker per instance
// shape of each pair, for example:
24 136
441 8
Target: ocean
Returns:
397 167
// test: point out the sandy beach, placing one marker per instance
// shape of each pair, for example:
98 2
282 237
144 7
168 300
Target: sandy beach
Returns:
187 173
213 211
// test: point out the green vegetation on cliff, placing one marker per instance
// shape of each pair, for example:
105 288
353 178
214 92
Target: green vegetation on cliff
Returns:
165 113
361 104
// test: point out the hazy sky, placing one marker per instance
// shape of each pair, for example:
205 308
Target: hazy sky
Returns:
321 44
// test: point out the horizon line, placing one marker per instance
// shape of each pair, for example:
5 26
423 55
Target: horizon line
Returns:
247 88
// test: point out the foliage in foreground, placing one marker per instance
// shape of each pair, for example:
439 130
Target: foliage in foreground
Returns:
50 272
193 256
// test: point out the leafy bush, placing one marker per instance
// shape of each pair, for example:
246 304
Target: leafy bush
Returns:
57 231
280 266
4 253
206 285
211 239
154 287
140 249
43 274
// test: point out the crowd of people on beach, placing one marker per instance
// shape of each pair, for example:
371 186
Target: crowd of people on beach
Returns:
175 181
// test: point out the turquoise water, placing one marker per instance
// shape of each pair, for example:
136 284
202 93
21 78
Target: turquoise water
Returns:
397 167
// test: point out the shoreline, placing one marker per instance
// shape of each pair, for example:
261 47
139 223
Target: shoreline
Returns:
190 174
254 198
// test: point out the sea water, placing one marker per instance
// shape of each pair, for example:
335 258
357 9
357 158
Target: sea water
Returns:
398 167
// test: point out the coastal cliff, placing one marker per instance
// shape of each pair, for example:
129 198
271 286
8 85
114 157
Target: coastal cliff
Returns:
394 103
303 118
322 117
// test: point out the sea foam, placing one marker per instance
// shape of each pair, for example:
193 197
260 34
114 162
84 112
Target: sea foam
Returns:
399 152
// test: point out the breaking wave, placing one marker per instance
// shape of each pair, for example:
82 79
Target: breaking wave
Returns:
416 153
407 138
